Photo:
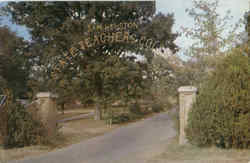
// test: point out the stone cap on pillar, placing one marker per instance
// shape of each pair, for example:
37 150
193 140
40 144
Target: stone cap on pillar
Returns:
187 89
46 95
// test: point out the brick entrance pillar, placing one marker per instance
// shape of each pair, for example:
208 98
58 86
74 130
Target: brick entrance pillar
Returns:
187 95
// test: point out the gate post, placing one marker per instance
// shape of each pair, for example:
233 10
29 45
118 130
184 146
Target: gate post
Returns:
187 95
47 110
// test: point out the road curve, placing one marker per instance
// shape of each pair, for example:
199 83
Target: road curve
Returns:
134 143
77 117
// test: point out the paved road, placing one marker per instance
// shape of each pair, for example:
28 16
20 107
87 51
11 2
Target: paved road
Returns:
134 143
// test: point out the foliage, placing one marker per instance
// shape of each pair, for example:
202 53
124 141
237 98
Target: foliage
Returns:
212 34
135 108
14 66
247 29
247 23
162 77
124 117
65 91
168 76
133 116
127 114
120 118
105 72
19 128
157 107
221 114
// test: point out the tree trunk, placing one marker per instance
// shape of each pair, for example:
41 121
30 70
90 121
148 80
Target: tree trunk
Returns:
62 108
98 112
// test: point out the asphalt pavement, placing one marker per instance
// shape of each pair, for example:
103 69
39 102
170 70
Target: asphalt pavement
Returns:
133 143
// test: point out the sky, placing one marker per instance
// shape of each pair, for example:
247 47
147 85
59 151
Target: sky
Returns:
177 7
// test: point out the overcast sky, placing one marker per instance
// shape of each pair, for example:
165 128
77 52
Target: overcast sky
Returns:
237 7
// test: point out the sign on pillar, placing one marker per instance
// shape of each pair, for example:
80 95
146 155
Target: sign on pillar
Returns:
187 95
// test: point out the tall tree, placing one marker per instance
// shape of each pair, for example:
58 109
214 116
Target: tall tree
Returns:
59 26
14 65
211 34
247 27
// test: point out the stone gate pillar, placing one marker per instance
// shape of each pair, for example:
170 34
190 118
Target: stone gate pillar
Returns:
47 110
187 95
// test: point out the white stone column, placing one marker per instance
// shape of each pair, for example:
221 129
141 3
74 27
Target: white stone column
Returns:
47 110
187 95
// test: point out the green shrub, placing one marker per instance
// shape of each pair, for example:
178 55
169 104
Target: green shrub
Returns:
124 117
135 108
221 114
18 128
169 105
133 116
157 107
120 118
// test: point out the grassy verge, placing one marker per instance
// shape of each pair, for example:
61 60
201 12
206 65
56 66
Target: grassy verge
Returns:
190 153
176 153
71 133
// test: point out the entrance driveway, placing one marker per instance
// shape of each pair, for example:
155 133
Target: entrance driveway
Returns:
134 143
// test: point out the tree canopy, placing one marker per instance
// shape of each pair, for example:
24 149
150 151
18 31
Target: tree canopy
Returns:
101 71
14 65
212 35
